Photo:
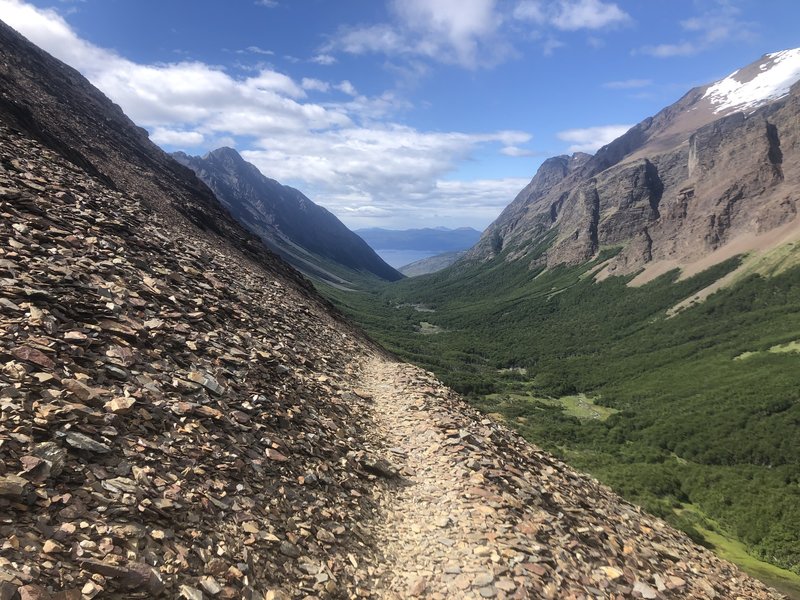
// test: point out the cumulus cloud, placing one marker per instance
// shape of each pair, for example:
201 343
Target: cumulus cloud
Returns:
462 32
472 33
389 160
374 38
315 84
572 15
455 29
591 139
347 155
450 203
171 137
347 88
324 59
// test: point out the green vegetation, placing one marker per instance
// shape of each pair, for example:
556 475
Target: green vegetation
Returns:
579 406
678 420
736 552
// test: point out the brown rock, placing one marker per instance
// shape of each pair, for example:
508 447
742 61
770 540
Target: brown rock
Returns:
34 592
418 587
120 405
12 485
34 356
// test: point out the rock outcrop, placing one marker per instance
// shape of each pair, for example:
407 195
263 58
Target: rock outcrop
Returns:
183 417
713 171
306 235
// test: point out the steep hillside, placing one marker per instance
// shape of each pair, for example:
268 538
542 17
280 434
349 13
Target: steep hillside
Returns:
713 175
183 417
304 234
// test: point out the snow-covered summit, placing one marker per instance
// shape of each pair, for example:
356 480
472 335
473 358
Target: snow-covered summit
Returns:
748 88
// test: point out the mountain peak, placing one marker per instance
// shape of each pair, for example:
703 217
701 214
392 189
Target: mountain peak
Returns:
767 79
223 152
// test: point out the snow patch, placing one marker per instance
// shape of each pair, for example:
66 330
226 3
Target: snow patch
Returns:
776 75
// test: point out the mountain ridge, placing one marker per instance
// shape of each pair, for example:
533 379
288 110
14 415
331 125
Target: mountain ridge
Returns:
289 223
657 191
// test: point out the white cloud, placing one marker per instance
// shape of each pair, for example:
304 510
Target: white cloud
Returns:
347 155
588 14
516 151
324 59
670 50
628 84
171 137
590 139
267 3
375 38
382 161
258 50
347 88
457 28
717 25
530 10
550 45
315 85
450 203
272 81
571 15
462 32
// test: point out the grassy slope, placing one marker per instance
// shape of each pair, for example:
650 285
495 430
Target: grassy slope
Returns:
693 424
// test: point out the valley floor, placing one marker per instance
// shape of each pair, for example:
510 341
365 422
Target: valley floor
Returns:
471 510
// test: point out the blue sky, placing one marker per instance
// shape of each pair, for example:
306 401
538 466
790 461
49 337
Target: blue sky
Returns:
401 113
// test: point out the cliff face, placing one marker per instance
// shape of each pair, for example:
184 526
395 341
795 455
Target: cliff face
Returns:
287 221
701 175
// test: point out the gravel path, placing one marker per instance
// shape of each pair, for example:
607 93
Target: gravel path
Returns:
441 534
468 509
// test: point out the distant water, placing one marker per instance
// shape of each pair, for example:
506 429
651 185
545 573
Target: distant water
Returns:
401 258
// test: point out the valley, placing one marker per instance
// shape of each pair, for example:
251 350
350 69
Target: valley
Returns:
674 409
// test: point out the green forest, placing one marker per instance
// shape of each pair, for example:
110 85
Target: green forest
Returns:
696 416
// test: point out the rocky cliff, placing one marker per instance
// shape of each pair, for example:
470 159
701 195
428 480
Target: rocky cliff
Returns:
286 220
711 174
183 417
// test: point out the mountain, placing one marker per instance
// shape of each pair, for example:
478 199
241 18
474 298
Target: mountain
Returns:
709 177
431 264
304 234
184 417
437 240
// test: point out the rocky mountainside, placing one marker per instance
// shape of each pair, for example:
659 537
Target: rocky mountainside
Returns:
713 175
288 222
183 417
